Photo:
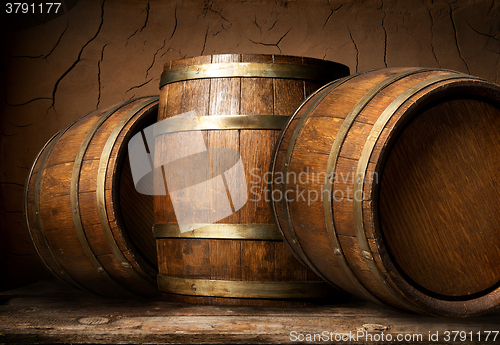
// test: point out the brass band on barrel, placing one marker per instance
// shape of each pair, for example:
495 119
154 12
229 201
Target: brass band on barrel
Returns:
248 69
220 122
243 289
219 231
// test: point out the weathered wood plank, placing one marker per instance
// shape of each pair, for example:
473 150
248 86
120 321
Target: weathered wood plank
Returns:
51 312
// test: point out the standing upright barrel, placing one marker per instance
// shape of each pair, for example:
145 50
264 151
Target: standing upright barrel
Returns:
236 103
399 172
85 219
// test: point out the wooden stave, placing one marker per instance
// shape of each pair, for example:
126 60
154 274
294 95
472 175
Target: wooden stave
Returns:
398 292
162 247
135 276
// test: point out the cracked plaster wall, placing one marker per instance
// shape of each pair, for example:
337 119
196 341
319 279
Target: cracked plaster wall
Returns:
98 53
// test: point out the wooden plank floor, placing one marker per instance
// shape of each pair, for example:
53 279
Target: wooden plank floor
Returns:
51 312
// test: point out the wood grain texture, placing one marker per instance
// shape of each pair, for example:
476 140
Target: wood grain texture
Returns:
444 195
99 53
234 260
419 229
123 262
49 312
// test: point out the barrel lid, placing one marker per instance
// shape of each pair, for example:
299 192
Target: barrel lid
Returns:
439 199
254 66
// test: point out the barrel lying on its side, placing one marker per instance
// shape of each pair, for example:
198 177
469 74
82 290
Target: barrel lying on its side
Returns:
240 102
85 219
400 171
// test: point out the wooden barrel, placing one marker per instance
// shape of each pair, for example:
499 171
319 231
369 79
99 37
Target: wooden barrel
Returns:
398 170
239 103
85 219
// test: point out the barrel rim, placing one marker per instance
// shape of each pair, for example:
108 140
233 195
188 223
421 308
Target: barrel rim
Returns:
150 268
144 107
248 70
434 304
304 59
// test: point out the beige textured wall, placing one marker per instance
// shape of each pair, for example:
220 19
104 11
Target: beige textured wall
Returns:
98 53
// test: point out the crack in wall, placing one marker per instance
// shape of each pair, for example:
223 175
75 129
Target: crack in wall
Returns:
272 26
385 34
493 51
21 126
143 26
5 135
482 33
332 10
456 38
257 24
491 7
27 102
99 75
58 41
205 41
79 56
147 17
175 25
42 56
12 183
272 44
208 8
154 56
138 86
432 34
355 47
135 32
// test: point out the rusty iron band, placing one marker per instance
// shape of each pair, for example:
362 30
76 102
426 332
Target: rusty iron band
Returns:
243 289
362 167
100 190
248 69
219 231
